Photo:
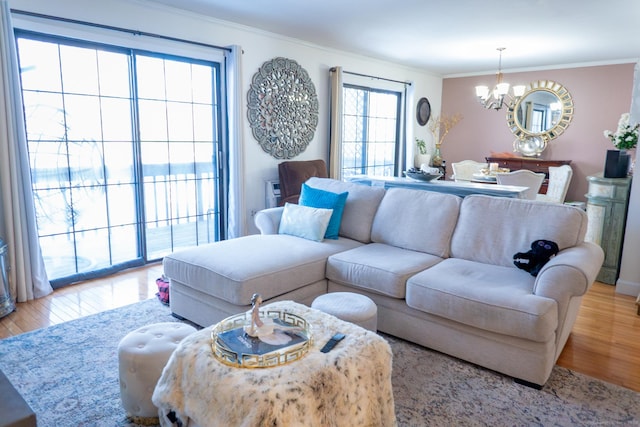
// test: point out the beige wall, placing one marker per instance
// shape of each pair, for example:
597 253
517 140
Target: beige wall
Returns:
600 94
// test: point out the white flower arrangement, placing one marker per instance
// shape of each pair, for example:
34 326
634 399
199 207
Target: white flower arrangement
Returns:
626 136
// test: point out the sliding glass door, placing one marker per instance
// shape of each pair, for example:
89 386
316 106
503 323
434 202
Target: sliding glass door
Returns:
123 149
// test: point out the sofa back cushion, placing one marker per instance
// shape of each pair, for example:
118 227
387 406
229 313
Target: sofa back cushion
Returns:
417 220
360 208
492 229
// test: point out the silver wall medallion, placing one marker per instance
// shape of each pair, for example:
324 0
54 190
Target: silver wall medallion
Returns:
282 108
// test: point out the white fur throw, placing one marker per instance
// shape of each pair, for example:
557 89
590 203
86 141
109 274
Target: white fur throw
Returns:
350 385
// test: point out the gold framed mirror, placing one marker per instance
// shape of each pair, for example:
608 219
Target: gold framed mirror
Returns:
540 115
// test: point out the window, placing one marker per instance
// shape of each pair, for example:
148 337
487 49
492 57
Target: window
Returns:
371 131
123 147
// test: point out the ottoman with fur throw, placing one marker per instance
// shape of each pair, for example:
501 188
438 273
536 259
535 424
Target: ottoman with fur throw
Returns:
349 385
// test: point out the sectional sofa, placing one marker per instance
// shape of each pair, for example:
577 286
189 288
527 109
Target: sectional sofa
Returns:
439 267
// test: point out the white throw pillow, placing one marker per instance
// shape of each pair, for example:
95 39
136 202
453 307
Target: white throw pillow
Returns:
304 221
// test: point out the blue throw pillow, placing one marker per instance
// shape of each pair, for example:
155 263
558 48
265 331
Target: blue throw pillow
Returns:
316 198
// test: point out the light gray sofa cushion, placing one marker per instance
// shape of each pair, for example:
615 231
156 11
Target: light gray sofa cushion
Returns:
417 220
490 297
377 267
360 208
490 230
271 265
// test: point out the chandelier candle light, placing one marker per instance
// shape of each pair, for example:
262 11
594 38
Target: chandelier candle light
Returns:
495 98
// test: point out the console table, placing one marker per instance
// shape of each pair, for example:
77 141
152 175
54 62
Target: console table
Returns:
458 188
607 202
532 164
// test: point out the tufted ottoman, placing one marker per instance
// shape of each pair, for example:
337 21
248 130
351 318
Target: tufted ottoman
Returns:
350 307
142 354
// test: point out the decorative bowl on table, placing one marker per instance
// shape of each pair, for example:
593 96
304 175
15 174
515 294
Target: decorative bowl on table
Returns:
421 175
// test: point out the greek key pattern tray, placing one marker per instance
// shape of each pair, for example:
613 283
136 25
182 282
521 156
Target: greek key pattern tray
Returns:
232 346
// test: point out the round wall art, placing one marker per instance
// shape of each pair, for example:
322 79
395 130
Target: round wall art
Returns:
423 111
282 108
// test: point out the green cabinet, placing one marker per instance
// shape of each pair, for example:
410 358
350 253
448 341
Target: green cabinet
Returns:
607 202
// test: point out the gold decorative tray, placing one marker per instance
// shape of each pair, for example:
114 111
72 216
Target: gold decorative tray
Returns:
232 346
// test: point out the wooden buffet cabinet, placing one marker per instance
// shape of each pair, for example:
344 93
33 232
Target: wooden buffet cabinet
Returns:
534 165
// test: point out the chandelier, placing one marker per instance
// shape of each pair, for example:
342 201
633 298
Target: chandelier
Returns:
495 98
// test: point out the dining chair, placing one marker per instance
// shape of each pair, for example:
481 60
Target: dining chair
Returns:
522 178
559 180
464 170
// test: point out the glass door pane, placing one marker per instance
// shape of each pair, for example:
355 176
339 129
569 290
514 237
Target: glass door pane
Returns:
178 153
79 133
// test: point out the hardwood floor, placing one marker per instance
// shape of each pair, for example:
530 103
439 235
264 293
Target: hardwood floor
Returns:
605 342
83 299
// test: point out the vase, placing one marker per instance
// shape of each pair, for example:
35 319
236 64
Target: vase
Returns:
616 164
436 160
421 159
632 160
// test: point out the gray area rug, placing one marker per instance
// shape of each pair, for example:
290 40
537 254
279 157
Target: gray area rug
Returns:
68 373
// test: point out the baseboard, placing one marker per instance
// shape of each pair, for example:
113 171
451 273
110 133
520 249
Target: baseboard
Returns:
627 288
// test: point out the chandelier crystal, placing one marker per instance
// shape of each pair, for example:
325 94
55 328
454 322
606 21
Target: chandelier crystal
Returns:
495 98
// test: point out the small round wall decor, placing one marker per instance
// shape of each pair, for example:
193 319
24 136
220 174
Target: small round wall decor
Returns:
423 111
282 108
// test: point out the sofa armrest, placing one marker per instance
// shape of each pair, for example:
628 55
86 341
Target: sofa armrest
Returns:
268 220
570 273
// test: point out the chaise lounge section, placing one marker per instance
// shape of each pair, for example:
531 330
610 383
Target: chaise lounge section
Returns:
439 267
211 282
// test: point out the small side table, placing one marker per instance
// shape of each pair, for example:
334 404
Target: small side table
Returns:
6 301
16 412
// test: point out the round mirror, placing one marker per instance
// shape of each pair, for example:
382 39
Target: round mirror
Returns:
541 114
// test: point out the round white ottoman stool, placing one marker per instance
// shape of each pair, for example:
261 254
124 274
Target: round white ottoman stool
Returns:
142 355
350 307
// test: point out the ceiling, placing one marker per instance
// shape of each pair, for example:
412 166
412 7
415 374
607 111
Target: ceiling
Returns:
449 37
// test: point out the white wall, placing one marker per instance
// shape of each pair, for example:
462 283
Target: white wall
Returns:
258 47
629 281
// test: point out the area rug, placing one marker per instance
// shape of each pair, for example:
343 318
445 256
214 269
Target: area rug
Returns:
68 373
